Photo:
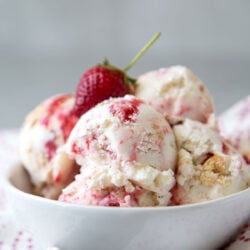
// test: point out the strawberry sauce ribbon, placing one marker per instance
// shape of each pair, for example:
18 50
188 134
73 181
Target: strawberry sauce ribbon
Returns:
15 238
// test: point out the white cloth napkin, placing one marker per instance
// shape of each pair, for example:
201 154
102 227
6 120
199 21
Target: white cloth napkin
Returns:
13 237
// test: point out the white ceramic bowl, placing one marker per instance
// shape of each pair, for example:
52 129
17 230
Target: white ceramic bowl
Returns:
207 225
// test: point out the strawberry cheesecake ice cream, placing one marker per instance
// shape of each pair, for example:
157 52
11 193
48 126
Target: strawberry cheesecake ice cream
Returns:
234 125
207 167
158 147
176 93
150 141
42 139
127 153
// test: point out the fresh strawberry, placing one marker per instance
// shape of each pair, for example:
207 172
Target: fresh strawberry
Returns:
104 81
99 83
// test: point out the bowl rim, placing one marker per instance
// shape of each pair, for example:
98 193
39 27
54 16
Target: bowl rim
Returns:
10 189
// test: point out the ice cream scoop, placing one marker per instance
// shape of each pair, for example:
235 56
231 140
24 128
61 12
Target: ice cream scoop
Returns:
42 140
208 167
234 125
176 93
127 153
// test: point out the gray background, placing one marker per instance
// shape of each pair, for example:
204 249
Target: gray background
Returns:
46 45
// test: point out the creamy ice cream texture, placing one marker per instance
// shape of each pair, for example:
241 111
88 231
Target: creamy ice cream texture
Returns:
176 93
127 153
234 125
42 140
207 167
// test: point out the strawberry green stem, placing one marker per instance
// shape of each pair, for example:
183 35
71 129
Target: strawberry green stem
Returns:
142 52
